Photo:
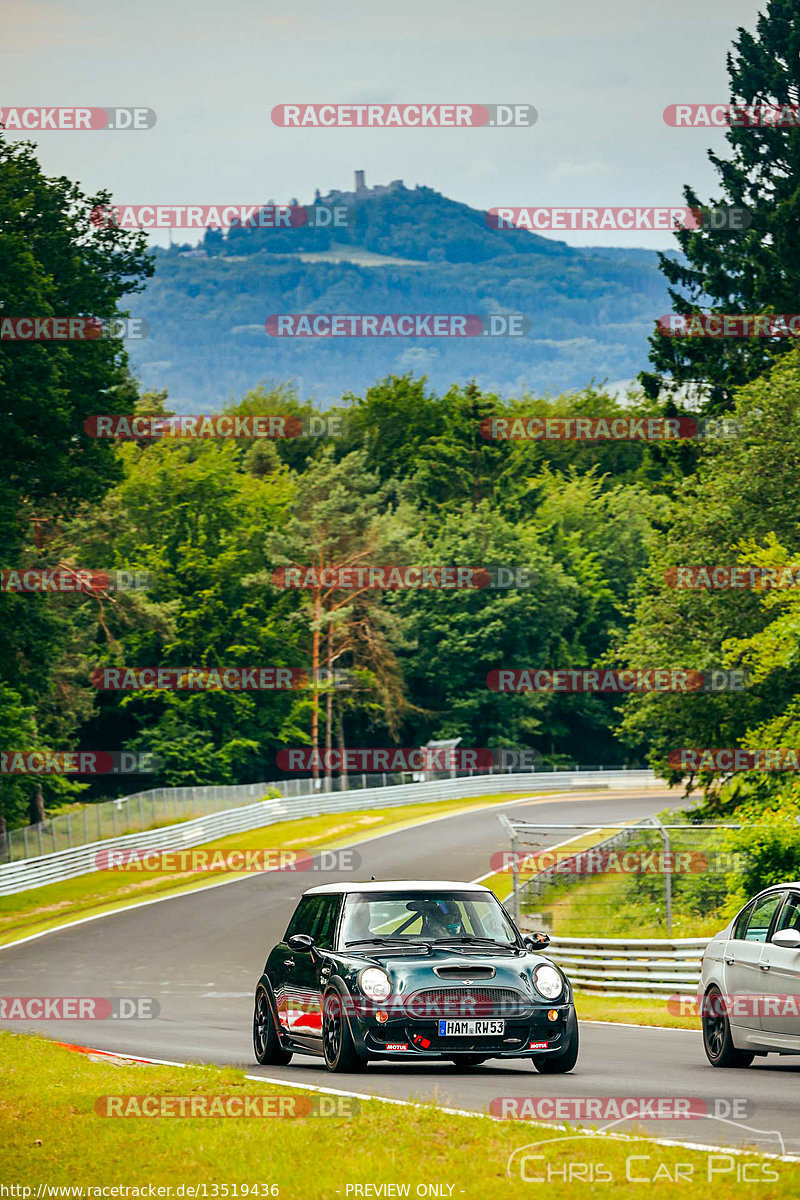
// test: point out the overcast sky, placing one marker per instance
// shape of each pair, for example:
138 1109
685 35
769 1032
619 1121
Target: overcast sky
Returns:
599 72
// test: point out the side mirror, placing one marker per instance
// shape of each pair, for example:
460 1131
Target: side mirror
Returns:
788 939
303 943
537 941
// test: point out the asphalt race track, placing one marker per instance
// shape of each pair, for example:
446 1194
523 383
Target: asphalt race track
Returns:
200 955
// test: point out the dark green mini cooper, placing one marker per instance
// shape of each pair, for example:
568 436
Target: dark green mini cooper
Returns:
411 970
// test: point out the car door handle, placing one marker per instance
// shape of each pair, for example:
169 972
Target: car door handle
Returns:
764 966
730 961
288 962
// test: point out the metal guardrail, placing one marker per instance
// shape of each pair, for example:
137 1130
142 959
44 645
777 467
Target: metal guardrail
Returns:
615 966
81 860
629 966
163 806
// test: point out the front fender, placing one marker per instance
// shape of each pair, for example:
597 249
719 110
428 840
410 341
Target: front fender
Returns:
337 984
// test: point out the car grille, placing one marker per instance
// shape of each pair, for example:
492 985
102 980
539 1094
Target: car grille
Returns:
467 1002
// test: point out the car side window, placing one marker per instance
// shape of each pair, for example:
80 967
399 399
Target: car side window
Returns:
761 917
305 916
741 922
790 913
325 924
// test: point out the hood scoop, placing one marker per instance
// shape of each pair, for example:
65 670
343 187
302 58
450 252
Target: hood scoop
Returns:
464 972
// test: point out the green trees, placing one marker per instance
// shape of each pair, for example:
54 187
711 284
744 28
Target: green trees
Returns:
340 518
739 509
189 515
53 263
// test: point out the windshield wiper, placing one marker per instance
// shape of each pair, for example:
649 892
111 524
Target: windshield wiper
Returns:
387 941
471 941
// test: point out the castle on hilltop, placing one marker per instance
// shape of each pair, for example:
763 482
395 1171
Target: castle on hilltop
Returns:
362 192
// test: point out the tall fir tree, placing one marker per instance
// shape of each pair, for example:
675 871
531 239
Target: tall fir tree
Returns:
756 270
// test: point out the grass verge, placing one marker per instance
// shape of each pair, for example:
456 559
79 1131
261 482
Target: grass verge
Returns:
51 1134
633 1010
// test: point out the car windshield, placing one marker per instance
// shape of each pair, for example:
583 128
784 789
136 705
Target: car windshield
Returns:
424 916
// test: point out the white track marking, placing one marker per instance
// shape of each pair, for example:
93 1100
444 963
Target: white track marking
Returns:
465 1112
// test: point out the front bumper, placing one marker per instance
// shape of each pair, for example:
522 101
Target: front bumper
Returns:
526 1036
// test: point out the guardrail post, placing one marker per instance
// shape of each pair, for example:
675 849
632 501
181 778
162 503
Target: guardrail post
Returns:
667 875
515 879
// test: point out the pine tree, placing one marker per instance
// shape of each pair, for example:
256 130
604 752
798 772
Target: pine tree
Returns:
752 271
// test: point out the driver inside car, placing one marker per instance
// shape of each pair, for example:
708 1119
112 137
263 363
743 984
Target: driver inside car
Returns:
441 920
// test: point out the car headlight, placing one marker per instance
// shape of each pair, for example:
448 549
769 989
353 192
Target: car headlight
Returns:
375 983
548 982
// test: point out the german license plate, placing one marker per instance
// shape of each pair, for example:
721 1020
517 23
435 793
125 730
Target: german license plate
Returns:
471 1028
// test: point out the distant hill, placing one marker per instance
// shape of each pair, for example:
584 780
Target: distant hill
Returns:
591 310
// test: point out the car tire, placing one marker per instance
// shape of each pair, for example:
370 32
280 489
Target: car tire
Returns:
717 1037
338 1048
559 1064
467 1061
266 1042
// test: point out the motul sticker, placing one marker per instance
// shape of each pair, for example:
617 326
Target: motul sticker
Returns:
397 1045
537 1045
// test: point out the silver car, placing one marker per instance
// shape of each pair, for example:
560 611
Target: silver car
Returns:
749 991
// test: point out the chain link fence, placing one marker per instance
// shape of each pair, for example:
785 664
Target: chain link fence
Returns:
651 876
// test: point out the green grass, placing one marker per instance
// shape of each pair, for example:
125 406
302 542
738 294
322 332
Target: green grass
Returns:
50 1133
633 1010
501 882
105 891
608 906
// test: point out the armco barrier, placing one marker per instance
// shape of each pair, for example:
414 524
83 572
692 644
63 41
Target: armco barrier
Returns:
80 860
628 966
